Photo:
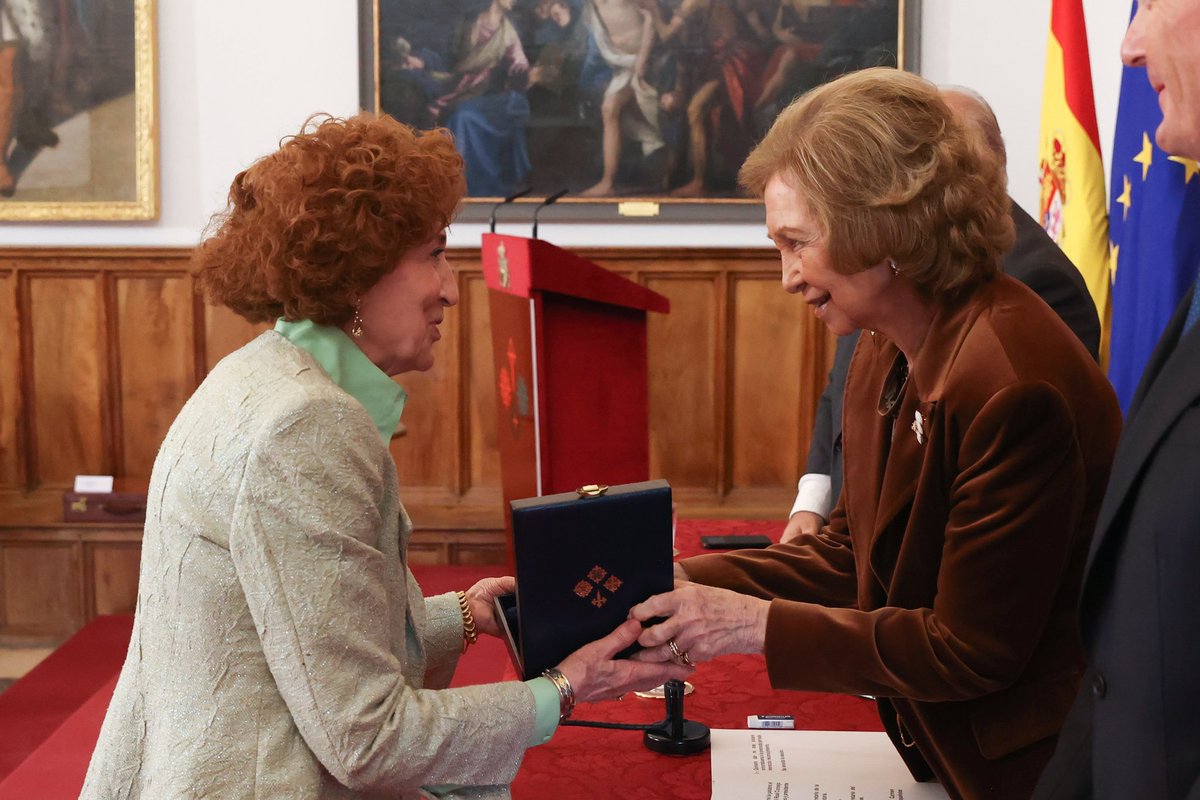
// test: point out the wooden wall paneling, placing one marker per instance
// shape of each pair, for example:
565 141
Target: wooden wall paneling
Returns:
428 457
43 587
224 332
731 383
765 408
65 350
816 359
686 383
155 363
482 462
112 577
12 474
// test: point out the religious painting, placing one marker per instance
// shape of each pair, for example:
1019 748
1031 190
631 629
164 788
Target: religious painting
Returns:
613 99
77 110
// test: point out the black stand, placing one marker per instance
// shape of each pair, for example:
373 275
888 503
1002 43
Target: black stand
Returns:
675 735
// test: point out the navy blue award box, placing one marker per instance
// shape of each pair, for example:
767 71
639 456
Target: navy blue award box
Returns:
583 559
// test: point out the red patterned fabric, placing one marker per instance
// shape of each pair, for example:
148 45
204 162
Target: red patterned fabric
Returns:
583 763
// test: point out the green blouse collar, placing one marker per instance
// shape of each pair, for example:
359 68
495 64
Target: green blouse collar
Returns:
350 369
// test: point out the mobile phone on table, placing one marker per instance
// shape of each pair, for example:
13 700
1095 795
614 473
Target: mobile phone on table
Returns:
734 542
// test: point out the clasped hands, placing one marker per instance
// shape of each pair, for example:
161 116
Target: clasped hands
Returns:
593 671
702 622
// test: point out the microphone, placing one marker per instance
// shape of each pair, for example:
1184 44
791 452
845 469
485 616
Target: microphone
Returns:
504 202
547 202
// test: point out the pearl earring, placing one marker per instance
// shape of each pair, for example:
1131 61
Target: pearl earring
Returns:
895 269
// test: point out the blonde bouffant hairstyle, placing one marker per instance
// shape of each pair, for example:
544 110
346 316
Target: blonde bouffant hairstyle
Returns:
313 225
890 172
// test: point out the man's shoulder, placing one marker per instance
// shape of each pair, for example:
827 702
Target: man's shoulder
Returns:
1035 255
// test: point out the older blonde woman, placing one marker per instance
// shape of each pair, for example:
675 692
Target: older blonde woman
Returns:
281 646
978 436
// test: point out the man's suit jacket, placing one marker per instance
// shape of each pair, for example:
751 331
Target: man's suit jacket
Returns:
1135 727
947 580
1036 261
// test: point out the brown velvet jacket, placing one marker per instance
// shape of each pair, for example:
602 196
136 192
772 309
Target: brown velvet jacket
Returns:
947 580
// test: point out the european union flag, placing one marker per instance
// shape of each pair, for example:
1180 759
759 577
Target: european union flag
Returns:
1154 225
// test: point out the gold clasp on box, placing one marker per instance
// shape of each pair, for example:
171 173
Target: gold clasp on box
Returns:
591 490
79 505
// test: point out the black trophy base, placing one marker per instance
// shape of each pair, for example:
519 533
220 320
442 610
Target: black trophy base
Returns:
693 738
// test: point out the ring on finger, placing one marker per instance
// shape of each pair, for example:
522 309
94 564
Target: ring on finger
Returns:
676 653
683 659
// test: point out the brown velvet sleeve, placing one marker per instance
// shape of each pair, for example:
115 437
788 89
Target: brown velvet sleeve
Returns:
1014 507
816 568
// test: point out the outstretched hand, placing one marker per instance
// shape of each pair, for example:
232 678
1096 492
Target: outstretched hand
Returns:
703 621
595 675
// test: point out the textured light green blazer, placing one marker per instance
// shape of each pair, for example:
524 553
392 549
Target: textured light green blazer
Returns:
282 648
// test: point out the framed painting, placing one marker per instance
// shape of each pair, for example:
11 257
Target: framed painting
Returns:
78 127
614 100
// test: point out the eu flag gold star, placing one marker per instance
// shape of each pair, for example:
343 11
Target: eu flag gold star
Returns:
1146 156
1191 168
1125 199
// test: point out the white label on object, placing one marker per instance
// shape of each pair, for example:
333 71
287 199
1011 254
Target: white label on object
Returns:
93 484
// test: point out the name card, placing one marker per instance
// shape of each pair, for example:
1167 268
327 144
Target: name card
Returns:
93 484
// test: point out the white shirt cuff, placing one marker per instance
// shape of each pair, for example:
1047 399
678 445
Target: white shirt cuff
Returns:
814 493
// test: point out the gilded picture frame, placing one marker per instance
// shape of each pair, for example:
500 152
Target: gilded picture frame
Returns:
537 92
78 111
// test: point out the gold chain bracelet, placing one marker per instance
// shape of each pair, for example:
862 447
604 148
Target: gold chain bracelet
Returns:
470 635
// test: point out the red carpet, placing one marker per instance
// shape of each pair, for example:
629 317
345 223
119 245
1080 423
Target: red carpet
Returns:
33 707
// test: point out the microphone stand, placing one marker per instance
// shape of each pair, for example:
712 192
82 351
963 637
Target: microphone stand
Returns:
673 735
504 202
547 202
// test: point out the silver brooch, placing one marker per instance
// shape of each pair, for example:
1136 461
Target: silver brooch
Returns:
918 427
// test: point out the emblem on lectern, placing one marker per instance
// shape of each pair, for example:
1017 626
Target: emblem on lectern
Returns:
502 260
514 391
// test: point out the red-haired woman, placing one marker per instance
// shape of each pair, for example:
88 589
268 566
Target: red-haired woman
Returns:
282 648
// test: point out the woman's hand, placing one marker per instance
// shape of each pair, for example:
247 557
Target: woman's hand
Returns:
803 523
594 675
479 600
703 621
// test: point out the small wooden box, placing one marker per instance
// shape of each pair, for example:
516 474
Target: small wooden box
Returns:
126 503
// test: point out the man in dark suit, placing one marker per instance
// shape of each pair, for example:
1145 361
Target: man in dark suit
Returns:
1135 728
1035 260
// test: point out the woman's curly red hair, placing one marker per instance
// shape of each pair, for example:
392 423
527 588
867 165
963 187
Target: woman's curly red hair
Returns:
313 225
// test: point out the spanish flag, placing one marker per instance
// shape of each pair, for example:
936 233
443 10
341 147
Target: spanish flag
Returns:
1072 206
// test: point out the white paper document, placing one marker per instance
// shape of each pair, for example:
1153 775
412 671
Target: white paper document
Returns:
812 765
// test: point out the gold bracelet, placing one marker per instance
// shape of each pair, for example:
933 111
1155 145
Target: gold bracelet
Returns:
566 694
470 635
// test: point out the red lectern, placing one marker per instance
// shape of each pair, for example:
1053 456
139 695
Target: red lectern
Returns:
569 345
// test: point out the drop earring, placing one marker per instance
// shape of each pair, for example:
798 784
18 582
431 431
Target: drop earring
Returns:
895 269
356 324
